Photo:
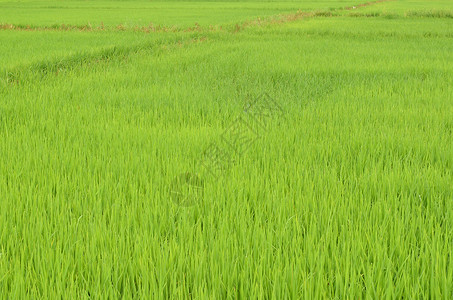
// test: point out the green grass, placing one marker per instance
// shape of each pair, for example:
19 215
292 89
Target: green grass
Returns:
411 8
20 49
165 13
348 195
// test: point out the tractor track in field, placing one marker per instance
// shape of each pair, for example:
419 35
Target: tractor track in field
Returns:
279 19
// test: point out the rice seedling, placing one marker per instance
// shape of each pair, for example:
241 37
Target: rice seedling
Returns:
348 195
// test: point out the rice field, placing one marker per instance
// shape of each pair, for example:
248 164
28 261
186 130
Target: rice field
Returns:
226 150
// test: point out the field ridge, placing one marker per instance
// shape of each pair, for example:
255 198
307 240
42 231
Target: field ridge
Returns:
275 19
42 68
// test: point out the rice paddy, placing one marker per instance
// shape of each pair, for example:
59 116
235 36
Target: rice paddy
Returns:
110 113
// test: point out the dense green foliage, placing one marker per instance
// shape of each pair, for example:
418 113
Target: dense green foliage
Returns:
130 13
349 194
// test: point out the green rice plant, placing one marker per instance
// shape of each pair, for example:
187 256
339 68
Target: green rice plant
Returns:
431 14
349 195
